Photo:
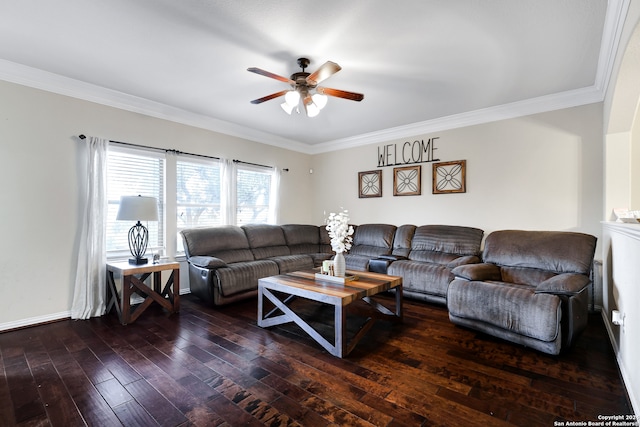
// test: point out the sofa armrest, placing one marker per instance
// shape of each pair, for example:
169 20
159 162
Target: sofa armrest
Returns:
563 284
482 271
463 260
209 262
392 257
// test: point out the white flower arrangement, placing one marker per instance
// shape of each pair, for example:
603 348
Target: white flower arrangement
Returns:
340 231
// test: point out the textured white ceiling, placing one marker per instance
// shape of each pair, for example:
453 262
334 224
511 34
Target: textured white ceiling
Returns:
416 61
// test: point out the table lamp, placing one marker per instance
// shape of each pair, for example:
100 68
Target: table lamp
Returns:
138 208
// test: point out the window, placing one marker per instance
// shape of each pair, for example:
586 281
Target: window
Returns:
197 195
253 195
192 191
132 173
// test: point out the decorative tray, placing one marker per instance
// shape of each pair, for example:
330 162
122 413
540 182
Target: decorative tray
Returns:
336 279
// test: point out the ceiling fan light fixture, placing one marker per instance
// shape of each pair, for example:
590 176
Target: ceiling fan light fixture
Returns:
320 100
292 98
305 87
311 109
287 108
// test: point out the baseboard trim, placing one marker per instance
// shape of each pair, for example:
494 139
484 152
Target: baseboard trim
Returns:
34 321
635 404
48 318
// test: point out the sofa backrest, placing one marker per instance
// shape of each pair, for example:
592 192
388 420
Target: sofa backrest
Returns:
402 240
302 239
266 240
532 256
373 240
227 242
325 240
444 243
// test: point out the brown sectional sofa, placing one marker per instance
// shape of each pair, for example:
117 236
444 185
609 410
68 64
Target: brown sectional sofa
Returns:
226 262
528 287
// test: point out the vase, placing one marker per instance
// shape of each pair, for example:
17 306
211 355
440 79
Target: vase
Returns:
339 266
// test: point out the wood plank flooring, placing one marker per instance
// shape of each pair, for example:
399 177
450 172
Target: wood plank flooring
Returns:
210 367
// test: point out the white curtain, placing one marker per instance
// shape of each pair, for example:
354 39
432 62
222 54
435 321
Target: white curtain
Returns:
89 296
275 196
228 196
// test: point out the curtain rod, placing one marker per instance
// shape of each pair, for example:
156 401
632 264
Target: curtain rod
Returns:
81 136
252 164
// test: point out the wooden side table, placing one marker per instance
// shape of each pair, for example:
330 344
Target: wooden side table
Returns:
133 277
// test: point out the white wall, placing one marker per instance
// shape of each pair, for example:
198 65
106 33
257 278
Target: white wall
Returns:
621 242
543 171
40 166
621 271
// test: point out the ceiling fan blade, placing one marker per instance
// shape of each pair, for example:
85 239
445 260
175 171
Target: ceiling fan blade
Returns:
353 96
268 74
269 97
324 72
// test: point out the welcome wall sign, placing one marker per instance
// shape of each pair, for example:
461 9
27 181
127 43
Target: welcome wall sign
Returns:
447 177
407 153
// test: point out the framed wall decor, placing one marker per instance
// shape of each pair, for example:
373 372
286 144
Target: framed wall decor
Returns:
370 184
449 177
407 181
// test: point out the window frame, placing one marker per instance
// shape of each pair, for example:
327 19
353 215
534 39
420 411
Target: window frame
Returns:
186 158
160 195
266 170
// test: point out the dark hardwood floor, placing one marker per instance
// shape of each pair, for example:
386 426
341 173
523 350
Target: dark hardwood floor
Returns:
209 367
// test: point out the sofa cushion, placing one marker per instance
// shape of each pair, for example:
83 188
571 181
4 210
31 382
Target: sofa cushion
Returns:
207 261
266 241
481 271
423 277
558 251
525 276
357 262
372 240
515 308
444 239
289 263
402 240
243 276
228 242
325 240
302 239
564 284
432 257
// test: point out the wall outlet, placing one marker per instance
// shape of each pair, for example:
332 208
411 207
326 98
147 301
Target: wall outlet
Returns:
617 318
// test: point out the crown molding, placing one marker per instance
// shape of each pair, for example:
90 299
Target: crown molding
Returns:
611 33
51 82
558 101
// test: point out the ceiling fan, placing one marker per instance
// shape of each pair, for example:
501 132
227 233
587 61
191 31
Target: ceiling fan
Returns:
305 88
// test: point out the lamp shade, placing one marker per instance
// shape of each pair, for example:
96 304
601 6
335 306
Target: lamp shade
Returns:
312 109
320 100
292 98
138 208
287 108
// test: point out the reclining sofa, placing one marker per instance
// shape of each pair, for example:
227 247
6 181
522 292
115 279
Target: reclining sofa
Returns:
226 262
528 287
531 288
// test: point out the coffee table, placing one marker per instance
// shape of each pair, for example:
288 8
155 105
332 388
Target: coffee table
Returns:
305 284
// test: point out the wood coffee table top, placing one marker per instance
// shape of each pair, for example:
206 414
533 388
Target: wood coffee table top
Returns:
306 284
